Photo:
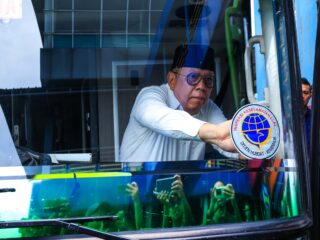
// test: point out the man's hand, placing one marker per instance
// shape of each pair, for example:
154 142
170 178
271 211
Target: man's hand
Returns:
177 187
229 191
133 190
218 134
163 197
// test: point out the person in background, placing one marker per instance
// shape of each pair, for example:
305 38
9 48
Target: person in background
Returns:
175 120
223 206
122 222
176 209
133 190
306 95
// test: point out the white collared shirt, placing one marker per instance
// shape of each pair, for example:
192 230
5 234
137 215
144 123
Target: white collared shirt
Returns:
160 130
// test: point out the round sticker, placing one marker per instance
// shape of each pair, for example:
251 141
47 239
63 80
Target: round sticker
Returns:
255 132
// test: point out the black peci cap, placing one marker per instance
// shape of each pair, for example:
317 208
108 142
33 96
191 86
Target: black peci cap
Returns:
195 56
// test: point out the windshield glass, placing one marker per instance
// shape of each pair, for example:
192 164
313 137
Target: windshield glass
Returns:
120 109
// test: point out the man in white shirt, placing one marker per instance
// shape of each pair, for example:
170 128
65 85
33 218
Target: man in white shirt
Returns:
175 120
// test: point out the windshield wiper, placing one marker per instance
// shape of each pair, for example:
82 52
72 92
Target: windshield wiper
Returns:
4 190
68 223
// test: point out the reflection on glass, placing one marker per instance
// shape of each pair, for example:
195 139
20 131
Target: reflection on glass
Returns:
87 5
63 5
86 41
139 4
154 23
138 40
138 22
115 5
63 22
62 41
85 22
110 18
219 193
158 4
113 40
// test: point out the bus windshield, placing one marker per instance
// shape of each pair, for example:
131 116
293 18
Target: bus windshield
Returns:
146 115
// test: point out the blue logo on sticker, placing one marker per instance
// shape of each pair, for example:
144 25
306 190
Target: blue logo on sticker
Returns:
255 131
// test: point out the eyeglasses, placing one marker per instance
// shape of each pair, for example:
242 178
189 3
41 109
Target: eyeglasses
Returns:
194 78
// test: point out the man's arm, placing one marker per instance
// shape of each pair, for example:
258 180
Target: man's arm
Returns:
218 134
187 215
151 111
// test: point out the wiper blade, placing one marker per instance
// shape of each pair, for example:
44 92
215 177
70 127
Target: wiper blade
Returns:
89 231
5 190
68 223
